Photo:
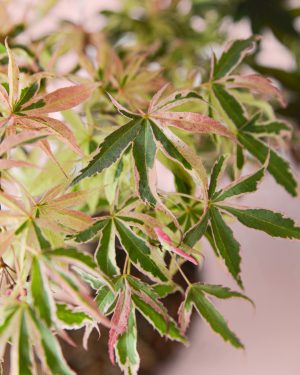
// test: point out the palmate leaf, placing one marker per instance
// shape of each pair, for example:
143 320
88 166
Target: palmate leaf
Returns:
140 130
277 166
196 296
273 223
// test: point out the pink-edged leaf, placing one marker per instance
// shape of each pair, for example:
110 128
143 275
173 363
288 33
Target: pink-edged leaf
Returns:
13 203
44 145
53 193
192 122
54 126
75 220
4 121
156 98
7 163
4 99
258 84
184 316
119 320
193 159
64 98
78 295
70 199
121 109
14 140
177 98
13 76
165 240
6 238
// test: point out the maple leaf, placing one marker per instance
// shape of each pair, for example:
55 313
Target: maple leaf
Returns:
50 213
27 110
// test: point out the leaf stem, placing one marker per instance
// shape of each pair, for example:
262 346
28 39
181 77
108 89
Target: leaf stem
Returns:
182 273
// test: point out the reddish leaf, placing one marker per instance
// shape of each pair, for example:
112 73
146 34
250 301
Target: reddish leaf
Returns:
13 76
14 140
64 98
192 122
119 321
258 84
165 240
54 127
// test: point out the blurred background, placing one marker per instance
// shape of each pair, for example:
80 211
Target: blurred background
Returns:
190 29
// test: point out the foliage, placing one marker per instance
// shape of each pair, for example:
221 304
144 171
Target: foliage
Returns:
88 174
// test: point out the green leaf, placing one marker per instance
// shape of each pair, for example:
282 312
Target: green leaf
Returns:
168 147
247 184
74 256
24 348
126 348
41 294
217 170
267 128
53 355
26 94
233 56
105 299
147 302
230 105
111 149
106 251
91 232
209 313
139 253
144 151
220 291
166 327
163 290
228 247
2 48
273 223
39 104
278 167
240 159
43 242
196 232
70 318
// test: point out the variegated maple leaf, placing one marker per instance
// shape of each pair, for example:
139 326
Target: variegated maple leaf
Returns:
40 217
148 132
25 109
